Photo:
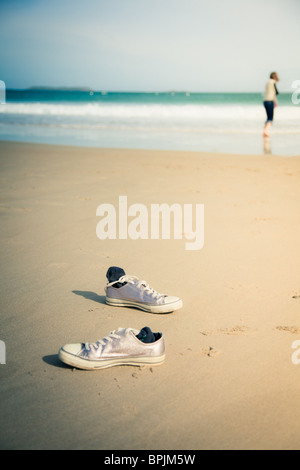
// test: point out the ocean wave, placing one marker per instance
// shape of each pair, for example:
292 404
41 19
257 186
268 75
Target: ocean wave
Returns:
146 111
93 128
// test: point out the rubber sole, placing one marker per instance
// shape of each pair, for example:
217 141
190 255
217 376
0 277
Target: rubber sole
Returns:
165 308
87 364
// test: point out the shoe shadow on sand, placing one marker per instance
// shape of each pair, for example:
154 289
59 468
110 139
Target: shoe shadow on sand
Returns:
53 360
90 296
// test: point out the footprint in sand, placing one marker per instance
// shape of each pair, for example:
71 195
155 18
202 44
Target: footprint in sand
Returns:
210 352
294 330
14 209
237 330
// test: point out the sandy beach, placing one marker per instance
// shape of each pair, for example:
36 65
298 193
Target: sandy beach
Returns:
228 381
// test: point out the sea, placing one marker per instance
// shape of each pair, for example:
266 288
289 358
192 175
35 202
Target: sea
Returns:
169 120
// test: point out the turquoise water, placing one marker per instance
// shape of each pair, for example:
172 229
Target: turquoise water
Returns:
170 97
222 122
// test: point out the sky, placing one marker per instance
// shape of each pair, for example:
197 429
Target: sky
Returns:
149 45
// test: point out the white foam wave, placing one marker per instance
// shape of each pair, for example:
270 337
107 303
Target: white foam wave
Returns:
153 111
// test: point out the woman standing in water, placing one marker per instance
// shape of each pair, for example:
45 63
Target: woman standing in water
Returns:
270 101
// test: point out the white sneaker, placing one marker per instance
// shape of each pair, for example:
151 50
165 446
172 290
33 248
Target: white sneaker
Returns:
124 346
136 293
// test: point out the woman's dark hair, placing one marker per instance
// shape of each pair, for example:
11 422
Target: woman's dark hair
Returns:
272 75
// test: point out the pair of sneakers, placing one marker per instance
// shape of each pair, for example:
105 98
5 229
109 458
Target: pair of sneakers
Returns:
124 345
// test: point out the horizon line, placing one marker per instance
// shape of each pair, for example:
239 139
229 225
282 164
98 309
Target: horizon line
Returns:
105 90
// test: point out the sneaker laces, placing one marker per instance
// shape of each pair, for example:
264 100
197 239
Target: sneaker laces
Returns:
135 280
103 341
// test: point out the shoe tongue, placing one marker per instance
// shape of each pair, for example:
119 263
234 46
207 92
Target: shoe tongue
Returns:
114 273
146 335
